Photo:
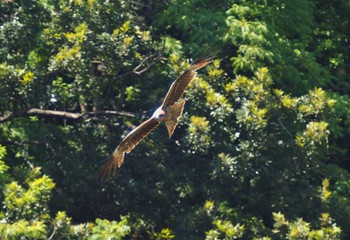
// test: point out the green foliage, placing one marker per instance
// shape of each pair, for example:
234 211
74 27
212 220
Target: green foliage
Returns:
3 167
165 233
26 210
200 29
225 230
23 228
31 203
199 126
250 36
105 229
325 193
265 129
299 229
26 214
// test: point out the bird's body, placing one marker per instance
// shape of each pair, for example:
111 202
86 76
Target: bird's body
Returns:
169 112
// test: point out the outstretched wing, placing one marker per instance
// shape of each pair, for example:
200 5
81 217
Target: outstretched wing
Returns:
127 144
180 84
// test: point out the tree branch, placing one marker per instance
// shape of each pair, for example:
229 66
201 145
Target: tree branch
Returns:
61 114
154 58
54 113
6 117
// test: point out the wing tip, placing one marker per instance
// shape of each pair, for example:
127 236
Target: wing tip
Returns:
202 62
113 162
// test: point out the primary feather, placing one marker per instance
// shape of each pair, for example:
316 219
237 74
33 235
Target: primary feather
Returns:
179 86
127 144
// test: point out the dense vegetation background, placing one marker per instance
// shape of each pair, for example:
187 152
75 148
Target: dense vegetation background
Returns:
262 151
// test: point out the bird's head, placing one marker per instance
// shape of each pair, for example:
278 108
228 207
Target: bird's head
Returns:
159 114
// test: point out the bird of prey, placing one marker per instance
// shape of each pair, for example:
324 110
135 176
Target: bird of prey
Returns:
169 112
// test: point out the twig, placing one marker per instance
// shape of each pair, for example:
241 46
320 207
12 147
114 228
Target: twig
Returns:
53 233
286 130
154 58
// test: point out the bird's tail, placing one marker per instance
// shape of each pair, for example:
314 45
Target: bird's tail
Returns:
175 112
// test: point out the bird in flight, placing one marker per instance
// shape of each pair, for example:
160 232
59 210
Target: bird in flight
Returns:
169 112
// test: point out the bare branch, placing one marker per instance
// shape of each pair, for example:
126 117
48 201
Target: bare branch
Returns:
61 114
154 58
53 233
6 117
112 113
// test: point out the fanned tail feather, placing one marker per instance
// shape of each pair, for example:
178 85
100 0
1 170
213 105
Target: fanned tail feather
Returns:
176 112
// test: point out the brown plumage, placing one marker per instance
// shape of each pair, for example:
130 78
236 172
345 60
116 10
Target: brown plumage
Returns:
128 144
180 84
169 113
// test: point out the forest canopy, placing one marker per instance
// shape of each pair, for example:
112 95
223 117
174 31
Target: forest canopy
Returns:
261 151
